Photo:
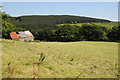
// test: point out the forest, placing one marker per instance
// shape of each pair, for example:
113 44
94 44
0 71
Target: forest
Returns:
47 28
36 22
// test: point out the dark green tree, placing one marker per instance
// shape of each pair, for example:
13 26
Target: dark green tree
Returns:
92 32
66 33
7 26
114 34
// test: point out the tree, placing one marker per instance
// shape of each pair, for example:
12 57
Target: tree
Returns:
66 33
92 32
7 26
114 34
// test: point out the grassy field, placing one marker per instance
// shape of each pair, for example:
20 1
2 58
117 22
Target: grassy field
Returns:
108 24
83 59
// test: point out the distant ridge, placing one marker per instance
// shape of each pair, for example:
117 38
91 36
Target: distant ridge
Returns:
40 21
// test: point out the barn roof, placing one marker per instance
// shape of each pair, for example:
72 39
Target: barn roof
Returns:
23 34
29 33
14 35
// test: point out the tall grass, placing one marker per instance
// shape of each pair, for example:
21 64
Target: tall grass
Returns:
60 59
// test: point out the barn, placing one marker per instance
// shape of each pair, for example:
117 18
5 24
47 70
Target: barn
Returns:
22 36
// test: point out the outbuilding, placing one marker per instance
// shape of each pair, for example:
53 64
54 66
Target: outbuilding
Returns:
22 36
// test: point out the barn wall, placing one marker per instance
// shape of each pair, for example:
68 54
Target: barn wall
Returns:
30 38
21 39
17 39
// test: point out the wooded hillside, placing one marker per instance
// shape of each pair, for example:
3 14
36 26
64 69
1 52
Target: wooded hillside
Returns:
36 21
46 28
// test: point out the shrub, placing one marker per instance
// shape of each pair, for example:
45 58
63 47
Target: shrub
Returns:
92 32
114 34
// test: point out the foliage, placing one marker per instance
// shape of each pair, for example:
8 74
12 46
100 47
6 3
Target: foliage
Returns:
51 31
93 32
7 26
114 34
37 22
85 32
5 17
66 33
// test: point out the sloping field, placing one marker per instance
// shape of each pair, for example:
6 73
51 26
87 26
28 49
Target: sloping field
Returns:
104 24
62 59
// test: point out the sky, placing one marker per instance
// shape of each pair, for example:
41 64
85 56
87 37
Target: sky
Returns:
103 10
60 0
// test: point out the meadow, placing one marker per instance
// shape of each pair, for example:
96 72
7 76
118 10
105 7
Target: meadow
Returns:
83 59
104 24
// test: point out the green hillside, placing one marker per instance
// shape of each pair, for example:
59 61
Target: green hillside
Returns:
83 59
41 21
52 28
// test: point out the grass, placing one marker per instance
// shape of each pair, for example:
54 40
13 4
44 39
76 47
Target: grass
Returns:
83 59
105 24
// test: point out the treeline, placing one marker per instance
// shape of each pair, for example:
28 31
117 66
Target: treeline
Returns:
86 32
7 26
41 22
64 33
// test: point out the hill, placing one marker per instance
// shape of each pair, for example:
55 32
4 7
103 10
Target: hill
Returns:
51 28
36 22
83 59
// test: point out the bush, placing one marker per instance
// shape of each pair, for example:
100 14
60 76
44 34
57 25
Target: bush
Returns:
86 32
114 34
66 33
7 26
91 32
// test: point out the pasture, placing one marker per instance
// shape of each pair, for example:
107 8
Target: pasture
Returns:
104 24
85 59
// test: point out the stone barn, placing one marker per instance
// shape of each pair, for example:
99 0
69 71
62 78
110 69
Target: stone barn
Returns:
22 36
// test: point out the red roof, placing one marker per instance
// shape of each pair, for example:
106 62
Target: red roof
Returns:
14 35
